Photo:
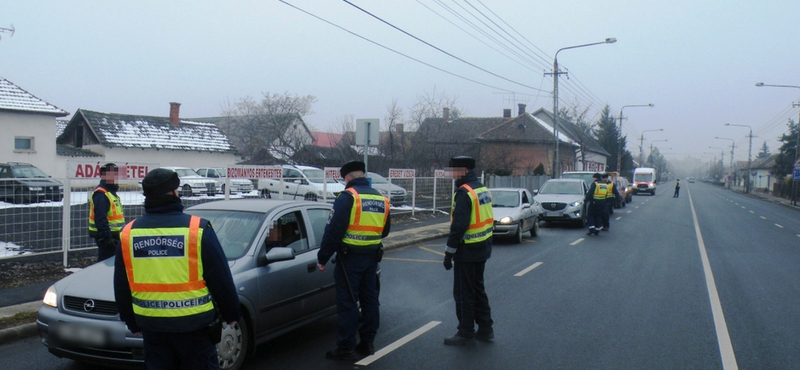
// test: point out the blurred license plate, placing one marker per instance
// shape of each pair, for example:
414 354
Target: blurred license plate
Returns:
553 214
81 334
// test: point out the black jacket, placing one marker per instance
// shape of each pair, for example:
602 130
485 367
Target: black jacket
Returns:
460 215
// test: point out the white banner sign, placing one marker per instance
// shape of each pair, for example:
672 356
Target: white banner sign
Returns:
332 173
91 170
402 173
440 174
255 172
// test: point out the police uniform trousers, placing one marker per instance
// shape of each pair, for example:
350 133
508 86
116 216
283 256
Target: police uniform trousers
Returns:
472 304
596 210
609 206
103 252
362 274
185 351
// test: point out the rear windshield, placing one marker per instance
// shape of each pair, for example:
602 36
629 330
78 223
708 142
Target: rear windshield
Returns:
561 187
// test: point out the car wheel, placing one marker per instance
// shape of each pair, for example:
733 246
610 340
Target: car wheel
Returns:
653 193
535 228
222 189
583 221
232 349
186 191
311 196
518 235
265 194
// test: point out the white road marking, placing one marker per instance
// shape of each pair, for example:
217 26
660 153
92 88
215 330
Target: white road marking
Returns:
743 207
576 242
763 218
618 218
723 337
528 269
397 344
752 212
778 225
630 211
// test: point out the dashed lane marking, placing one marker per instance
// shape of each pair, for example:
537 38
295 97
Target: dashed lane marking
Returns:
779 225
629 211
397 344
752 212
618 218
528 269
576 242
763 218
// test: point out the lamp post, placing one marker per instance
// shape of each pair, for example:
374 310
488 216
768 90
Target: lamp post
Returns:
749 154
641 142
619 149
556 172
797 143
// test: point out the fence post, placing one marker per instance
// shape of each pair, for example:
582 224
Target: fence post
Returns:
414 198
66 208
434 193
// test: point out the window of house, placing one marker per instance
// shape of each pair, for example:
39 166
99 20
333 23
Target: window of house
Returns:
23 144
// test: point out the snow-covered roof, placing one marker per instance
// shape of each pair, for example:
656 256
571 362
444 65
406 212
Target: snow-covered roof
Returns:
148 132
61 124
13 97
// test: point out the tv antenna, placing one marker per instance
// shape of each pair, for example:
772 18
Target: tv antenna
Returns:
7 30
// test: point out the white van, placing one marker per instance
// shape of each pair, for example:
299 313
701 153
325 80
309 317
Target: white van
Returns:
644 180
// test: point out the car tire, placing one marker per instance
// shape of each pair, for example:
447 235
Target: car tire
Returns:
264 193
518 235
653 193
186 191
310 197
232 349
534 231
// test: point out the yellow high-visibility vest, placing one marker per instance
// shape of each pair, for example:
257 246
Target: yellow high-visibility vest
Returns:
610 194
367 218
115 215
600 191
165 270
481 219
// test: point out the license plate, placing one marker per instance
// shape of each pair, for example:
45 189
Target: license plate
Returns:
553 214
81 334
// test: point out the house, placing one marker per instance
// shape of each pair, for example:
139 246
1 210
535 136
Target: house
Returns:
265 138
440 138
589 154
29 122
167 141
760 169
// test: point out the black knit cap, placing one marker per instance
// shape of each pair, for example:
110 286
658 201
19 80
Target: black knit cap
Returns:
108 167
352 166
462 161
596 175
160 181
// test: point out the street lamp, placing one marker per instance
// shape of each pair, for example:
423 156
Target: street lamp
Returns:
749 154
641 142
619 149
556 172
797 143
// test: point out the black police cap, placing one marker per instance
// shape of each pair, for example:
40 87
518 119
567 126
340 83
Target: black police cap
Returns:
160 181
108 167
352 166
462 161
604 175
596 175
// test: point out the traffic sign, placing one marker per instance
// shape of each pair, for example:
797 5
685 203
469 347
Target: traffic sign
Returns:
796 174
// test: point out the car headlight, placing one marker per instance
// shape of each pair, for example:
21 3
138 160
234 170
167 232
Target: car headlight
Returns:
50 297
575 204
506 220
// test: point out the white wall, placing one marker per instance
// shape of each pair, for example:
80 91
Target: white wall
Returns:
39 126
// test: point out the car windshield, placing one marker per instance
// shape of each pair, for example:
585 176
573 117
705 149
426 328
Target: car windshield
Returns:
378 179
183 172
235 229
316 176
561 187
28 172
505 198
586 177
643 176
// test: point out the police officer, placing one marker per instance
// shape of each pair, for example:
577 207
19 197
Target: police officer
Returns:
357 222
596 198
611 200
170 278
469 245
106 217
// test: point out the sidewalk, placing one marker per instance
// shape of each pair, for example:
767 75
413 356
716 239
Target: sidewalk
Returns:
396 239
766 196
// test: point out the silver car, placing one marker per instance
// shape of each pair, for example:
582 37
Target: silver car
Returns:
515 212
278 283
395 193
563 200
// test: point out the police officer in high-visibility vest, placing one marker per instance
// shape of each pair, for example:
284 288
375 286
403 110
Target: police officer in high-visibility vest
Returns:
611 200
357 223
596 198
106 217
469 246
170 279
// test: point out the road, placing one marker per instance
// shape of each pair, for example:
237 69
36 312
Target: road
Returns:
705 281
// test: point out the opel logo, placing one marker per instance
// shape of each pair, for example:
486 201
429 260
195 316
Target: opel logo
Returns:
553 205
88 306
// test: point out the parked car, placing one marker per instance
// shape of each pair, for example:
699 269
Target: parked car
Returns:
562 200
26 183
586 176
220 174
625 189
192 183
301 182
515 212
396 194
277 284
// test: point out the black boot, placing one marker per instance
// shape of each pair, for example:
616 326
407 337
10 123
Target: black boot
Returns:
458 340
486 336
365 348
342 354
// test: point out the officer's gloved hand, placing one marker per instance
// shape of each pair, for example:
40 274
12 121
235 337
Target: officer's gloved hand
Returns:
448 261
108 243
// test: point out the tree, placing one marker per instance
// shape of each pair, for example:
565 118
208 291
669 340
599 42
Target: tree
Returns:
577 115
271 127
424 152
609 137
787 155
764 152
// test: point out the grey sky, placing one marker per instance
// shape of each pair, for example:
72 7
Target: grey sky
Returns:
697 61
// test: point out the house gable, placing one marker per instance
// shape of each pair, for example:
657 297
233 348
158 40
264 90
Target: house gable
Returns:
15 98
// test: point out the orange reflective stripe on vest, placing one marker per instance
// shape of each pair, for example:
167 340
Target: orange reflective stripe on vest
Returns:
480 222
357 224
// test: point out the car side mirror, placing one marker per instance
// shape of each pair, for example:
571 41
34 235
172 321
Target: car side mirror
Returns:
276 254
526 205
535 191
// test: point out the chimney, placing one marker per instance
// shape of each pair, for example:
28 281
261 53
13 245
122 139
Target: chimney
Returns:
506 113
446 114
174 113
521 108
398 127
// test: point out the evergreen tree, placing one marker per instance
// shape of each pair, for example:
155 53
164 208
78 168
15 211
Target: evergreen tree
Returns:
610 138
784 163
764 152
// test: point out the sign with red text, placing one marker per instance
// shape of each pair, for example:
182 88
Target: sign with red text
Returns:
440 174
91 170
332 173
255 172
402 173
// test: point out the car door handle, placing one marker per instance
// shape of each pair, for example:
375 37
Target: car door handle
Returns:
312 267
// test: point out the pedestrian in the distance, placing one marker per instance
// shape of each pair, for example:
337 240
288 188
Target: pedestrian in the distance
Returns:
170 278
106 217
357 223
468 247
596 198
677 189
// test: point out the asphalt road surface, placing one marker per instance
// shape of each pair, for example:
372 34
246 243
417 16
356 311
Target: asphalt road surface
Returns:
705 281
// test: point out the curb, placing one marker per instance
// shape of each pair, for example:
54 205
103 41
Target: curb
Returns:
17 333
408 242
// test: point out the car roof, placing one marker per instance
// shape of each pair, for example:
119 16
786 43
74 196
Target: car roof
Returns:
252 205
566 180
175 167
507 189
